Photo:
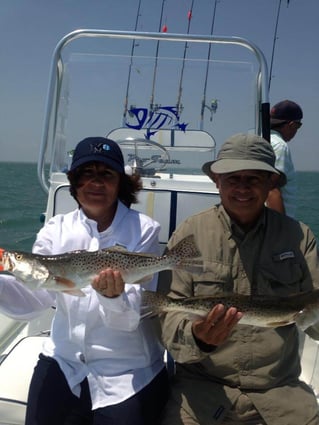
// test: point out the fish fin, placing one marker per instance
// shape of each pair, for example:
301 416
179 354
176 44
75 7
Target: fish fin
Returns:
148 315
217 296
118 248
279 323
186 248
76 292
63 281
70 286
186 253
144 279
191 266
61 284
66 285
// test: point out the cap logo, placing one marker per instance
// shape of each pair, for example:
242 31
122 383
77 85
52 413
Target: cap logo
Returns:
99 148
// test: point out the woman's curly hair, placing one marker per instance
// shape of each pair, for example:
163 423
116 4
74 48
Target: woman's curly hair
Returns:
128 188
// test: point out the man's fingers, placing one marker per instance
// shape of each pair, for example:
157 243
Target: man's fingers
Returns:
217 325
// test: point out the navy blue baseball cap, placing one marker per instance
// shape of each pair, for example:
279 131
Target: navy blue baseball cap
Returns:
98 149
285 111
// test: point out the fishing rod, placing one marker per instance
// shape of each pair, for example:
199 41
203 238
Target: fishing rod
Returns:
203 106
131 65
274 43
180 89
152 106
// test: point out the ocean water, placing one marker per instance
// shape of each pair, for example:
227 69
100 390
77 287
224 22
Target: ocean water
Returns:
23 201
21 205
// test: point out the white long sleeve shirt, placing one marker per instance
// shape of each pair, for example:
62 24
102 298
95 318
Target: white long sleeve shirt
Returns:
285 164
96 337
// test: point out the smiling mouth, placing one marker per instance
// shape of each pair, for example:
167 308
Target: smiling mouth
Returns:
96 193
241 199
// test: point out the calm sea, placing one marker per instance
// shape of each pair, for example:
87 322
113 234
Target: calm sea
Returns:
23 202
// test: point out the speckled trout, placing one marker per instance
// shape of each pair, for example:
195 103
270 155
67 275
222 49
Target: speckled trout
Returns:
73 270
265 311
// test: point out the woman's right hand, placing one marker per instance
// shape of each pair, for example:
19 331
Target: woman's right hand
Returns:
109 283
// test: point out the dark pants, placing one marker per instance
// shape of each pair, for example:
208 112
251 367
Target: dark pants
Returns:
51 402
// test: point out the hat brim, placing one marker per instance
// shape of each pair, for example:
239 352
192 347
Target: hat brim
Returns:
277 121
223 166
98 158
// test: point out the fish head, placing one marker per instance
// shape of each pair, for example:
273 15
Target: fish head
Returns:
25 267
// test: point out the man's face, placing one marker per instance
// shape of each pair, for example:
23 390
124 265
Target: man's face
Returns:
243 194
289 130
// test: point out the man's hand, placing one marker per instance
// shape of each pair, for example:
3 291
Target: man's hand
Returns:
215 328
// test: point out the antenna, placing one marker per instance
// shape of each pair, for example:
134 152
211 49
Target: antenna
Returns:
130 67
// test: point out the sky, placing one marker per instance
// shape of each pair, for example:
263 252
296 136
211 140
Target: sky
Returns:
30 30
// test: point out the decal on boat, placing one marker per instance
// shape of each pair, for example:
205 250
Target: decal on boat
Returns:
154 118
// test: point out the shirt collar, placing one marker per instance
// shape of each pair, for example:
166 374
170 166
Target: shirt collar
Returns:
121 211
234 228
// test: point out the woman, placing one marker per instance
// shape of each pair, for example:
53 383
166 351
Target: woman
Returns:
101 365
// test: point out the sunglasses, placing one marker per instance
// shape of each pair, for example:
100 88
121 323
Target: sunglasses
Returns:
297 123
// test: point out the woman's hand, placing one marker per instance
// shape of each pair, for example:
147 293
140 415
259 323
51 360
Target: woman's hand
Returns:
216 327
109 283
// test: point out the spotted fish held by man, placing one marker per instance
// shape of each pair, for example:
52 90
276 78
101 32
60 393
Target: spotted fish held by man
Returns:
264 311
72 271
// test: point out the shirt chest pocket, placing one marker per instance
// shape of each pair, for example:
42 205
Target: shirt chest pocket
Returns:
217 279
279 278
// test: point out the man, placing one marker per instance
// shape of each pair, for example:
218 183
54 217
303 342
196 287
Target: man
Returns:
285 120
227 372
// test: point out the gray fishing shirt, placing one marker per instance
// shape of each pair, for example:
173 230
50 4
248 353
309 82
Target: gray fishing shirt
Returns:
277 257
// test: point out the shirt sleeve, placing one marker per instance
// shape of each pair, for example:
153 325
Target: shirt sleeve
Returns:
20 303
283 156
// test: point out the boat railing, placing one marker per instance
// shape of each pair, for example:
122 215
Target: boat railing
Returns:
53 138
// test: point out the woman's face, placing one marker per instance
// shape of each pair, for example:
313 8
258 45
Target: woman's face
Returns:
97 189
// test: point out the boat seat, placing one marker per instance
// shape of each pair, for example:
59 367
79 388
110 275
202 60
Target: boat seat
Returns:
15 375
168 207
309 353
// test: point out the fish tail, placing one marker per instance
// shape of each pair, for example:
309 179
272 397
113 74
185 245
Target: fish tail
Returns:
185 248
191 266
185 255
152 304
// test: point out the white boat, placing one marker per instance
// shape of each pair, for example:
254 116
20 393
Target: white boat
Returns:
167 99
